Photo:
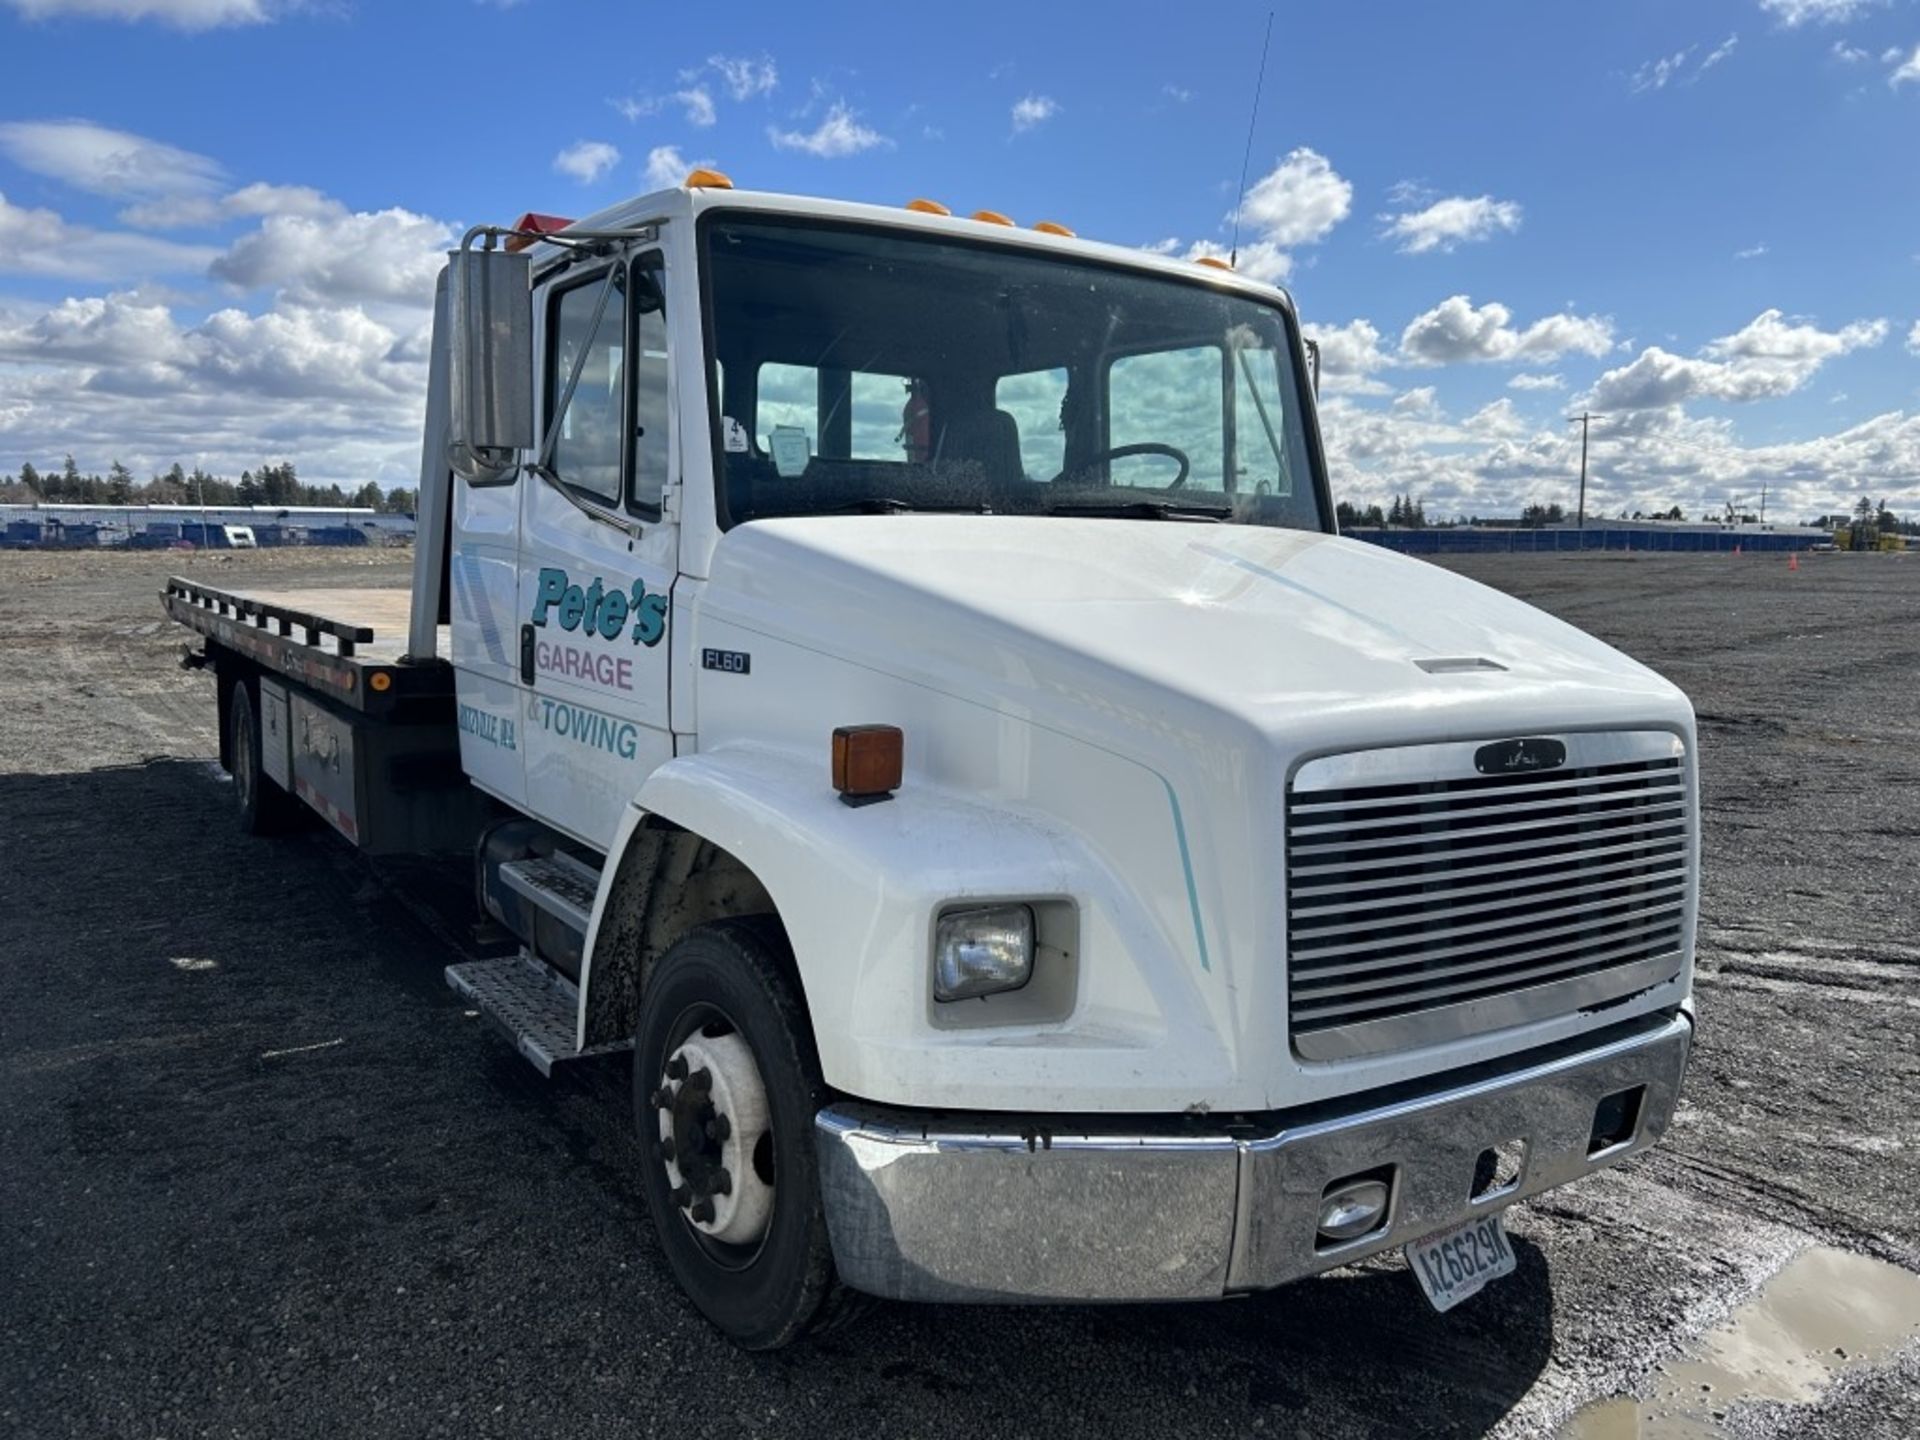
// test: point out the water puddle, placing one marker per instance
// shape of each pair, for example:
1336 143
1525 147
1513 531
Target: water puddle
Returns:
1828 1311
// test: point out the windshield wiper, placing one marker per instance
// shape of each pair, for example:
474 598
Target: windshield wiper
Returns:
887 505
1143 510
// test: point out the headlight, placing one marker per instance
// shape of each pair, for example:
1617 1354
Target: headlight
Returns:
981 951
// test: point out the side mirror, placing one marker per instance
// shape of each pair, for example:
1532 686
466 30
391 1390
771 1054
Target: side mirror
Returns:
490 307
1313 366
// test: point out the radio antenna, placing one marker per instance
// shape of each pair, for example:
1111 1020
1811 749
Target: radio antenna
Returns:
1240 199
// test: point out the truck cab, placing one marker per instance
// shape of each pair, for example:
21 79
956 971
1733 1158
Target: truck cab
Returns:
913 694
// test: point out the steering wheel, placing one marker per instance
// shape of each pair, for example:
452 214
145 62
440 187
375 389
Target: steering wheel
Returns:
1145 447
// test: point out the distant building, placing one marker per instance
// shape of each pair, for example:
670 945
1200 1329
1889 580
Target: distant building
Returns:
149 526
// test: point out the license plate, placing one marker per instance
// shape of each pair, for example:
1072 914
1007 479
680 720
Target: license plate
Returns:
1456 1263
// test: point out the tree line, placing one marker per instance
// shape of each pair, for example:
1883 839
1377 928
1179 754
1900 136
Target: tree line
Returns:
1868 517
268 485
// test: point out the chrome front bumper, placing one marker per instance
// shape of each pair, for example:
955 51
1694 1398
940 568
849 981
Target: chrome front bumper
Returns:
923 1208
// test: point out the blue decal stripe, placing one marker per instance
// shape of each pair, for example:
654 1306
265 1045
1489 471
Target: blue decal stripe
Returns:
1186 864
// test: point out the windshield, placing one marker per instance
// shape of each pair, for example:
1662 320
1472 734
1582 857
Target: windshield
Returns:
863 370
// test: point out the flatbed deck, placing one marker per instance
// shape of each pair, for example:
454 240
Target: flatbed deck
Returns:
334 640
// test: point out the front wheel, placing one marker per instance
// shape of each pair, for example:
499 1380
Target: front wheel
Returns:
726 1086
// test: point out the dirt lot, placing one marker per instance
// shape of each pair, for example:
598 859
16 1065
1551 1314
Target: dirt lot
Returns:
260 1174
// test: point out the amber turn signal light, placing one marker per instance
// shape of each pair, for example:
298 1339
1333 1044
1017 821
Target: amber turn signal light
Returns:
868 761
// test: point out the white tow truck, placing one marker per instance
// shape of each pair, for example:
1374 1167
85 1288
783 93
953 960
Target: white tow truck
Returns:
898 674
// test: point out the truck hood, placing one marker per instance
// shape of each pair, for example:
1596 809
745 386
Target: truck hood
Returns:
1334 643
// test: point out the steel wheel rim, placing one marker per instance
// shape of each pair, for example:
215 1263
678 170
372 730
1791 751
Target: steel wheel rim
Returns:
695 1021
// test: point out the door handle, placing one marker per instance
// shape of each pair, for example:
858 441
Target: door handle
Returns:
526 654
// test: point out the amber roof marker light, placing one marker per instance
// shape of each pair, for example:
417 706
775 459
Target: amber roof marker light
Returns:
928 207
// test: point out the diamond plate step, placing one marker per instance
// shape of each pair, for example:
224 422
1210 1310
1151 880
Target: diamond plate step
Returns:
536 1008
561 886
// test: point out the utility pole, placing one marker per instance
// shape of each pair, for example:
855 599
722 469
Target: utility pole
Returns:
1583 419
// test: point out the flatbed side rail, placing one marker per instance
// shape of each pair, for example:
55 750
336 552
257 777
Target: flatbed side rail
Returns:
263 613
290 642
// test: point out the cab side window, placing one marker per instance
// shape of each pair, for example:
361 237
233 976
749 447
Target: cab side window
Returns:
587 448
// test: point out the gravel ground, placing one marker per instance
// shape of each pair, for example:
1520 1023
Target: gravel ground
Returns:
261 1174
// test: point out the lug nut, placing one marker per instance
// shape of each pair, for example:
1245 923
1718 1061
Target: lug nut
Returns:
701 1079
719 1128
681 1195
702 1212
666 1147
722 1182
677 1067
661 1098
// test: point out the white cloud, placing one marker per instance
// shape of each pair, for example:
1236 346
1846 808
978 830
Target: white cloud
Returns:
1849 54
839 134
1493 462
1299 201
1260 260
696 101
1526 381
186 14
40 242
1497 419
698 104
99 330
1913 339
1752 252
104 161
388 255
173 212
1422 402
1793 13
1673 69
1179 94
667 167
1349 356
1769 357
1907 70
1453 221
1456 331
587 160
1033 110
1655 74
745 77
120 376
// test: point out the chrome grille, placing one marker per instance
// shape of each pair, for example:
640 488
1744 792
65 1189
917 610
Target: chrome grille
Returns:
1425 901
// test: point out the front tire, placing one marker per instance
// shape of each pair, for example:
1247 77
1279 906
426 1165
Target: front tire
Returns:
726 1085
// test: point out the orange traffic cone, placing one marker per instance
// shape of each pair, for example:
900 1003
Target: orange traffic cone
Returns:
1793 560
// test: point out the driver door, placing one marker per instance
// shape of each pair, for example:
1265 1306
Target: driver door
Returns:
598 556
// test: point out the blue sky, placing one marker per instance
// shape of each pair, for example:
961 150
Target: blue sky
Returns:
221 217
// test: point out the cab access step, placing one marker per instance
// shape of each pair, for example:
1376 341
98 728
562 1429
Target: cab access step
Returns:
546 901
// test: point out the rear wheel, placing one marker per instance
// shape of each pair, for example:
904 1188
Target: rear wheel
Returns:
265 809
726 1086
